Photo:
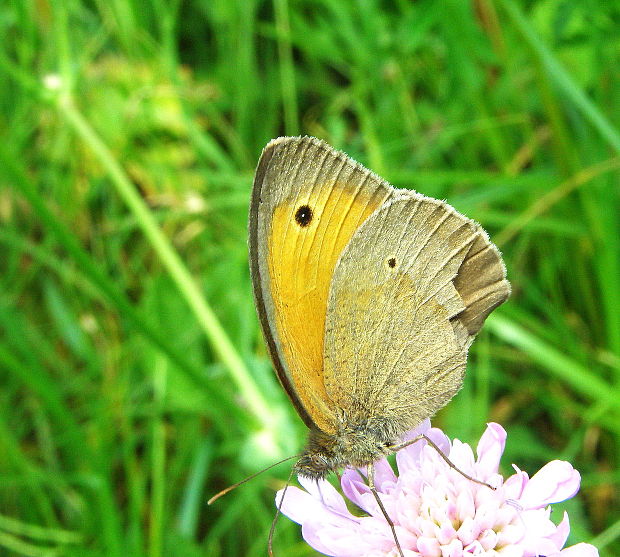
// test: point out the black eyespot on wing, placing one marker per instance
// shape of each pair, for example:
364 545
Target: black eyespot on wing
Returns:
391 262
304 216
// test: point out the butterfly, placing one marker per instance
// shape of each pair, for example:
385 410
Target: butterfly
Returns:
368 296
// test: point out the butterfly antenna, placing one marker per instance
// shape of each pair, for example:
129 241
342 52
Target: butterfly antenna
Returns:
234 486
277 515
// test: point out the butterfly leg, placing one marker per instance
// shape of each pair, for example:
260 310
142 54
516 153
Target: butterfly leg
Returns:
371 485
451 464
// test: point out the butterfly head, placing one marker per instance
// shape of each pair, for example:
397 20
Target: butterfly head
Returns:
352 446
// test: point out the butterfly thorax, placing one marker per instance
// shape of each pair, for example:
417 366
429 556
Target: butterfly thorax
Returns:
350 446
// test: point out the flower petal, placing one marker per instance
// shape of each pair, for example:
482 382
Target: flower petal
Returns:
421 429
324 492
515 484
440 439
384 475
301 507
554 482
560 535
543 547
469 531
453 549
353 486
490 448
334 539
429 547
512 551
580 550
462 457
409 457
539 532
358 491
465 505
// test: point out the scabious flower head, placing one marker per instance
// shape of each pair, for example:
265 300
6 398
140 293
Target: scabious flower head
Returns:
436 511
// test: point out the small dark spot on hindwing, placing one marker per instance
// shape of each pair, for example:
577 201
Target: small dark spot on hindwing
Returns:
303 216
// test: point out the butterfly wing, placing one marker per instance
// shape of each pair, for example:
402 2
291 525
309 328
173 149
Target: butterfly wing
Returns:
307 202
409 293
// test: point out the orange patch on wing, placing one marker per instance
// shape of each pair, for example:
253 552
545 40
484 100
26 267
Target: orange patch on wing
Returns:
302 257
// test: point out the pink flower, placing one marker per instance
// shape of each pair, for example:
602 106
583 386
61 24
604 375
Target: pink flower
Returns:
436 511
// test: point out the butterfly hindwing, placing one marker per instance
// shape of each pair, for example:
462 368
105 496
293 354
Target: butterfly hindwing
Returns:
395 342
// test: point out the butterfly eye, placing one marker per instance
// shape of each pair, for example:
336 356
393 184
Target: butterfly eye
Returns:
303 216
391 262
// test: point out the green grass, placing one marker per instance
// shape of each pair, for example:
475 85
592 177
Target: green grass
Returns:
135 383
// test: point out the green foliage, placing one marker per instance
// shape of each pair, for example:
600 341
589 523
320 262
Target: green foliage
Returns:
135 383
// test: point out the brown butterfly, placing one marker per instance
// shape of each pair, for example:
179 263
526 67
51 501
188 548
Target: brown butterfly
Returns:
368 296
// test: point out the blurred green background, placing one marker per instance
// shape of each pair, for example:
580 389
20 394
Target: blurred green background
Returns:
134 379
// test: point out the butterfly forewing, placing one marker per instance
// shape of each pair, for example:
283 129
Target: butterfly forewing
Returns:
308 201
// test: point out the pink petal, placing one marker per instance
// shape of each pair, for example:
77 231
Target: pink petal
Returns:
409 457
539 532
451 510
469 531
422 428
580 550
537 522
324 492
560 535
359 493
353 486
414 456
384 475
356 489
512 551
301 507
453 549
543 547
440 439
377 533
505 515
333 535
465 505
554 482
515 484
488 539
474 548
462 457
315 538
429 547
333 540
485 515
445 532
381 534
490 448
511 534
